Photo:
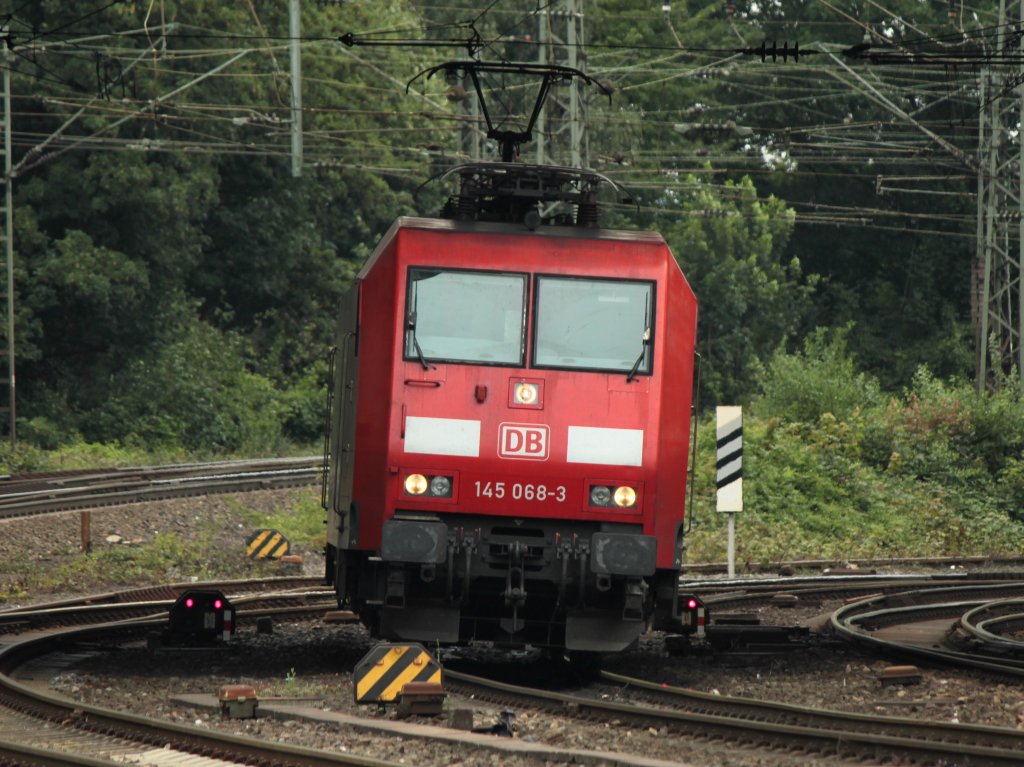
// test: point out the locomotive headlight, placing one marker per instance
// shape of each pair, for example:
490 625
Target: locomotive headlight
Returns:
440 487
625 497
415 484
526 394
613 496
600 495
429 485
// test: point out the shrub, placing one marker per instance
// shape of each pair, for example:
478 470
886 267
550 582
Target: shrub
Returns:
197 393
822 379
815 490
950 431
303 404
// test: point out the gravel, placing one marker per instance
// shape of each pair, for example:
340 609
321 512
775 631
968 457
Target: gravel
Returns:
46 544
315 659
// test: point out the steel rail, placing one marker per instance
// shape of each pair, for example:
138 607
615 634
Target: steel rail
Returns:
916 729
985 626
822 564
270 604
42 480
174 590
89 489
841 584
775 725
858 623
25 756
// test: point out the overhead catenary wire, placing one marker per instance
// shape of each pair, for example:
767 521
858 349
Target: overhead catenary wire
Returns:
685 68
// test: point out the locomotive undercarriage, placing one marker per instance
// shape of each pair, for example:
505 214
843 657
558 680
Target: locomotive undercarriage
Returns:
588 587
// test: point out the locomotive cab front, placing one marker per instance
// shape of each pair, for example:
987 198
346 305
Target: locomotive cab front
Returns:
509 435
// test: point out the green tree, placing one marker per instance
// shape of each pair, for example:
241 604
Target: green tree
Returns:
195 391
803 387
883 212
732 247
184 226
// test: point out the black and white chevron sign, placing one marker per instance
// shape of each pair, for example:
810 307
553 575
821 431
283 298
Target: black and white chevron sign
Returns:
729 463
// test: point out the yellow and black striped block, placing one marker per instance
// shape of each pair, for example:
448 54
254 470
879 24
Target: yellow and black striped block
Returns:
266 544
382 673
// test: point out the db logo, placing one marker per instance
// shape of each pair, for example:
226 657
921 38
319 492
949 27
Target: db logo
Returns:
520 440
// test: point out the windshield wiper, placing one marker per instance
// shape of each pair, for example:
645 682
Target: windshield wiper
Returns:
410 324
643 353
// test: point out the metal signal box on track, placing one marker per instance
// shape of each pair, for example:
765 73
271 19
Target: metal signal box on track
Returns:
201 616
692 615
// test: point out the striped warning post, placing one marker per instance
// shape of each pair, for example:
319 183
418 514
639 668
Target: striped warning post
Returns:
229 625
382 673
266 544
729 463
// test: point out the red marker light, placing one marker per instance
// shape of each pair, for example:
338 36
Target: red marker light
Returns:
217 604
190 602
692 604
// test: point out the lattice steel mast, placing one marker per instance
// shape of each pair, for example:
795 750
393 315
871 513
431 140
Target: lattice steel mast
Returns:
561 136
997 301
7 352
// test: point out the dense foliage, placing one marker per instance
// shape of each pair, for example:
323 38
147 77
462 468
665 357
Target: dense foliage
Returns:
168 221
176 283
835 470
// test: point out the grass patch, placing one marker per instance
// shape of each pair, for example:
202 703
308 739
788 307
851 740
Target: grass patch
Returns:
293 686
300 518
809 494
166 559
213 548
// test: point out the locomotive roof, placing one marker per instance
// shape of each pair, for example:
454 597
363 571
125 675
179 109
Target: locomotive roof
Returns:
572 232
489 227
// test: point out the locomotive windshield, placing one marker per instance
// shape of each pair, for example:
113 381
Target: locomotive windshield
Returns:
593 324
465 316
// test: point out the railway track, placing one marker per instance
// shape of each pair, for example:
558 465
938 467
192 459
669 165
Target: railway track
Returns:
988 625
276 597
98 735
763 724
782 729
27 495
852 566
38 727
621 702
956 626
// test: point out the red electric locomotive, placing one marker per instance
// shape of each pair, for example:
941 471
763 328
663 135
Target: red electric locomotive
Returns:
510 430
510 422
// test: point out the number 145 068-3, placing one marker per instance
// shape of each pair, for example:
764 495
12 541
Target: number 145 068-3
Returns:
520 491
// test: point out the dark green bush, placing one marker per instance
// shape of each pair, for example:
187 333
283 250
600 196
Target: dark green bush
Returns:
833 472
303 406
197 393
822 379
